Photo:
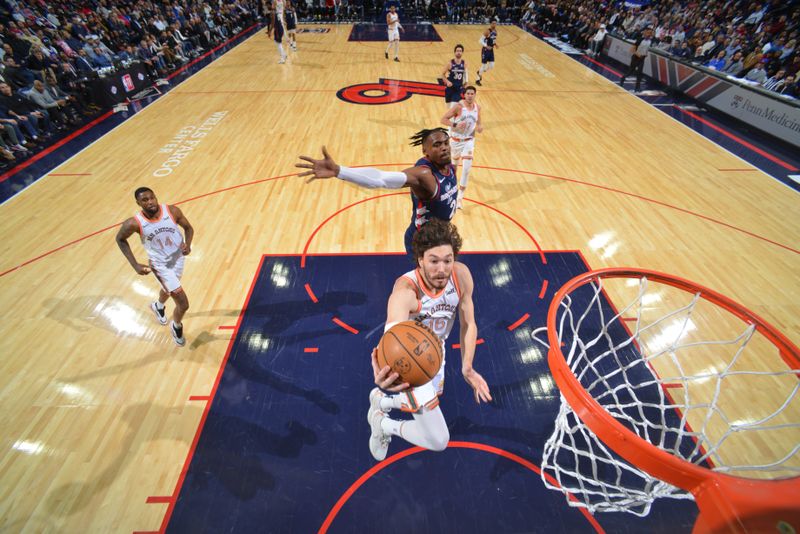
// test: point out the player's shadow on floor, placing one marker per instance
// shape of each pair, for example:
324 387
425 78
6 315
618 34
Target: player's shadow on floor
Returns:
507 191
245 368
215 461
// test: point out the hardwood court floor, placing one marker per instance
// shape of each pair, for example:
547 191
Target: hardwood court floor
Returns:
96 409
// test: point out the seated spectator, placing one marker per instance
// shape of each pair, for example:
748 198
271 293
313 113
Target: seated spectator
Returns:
44 100
101 59
596 44
717 63
734 65
683 51
775 82
757 74
33 119
789 49
790 88
38 63
13 133
665 45
84 64
17 76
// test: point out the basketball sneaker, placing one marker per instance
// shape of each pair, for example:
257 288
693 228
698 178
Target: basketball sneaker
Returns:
386 54
160 313
282 60
378 439
177 334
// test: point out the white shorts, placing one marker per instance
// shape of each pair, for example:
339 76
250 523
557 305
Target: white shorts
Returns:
462 149
169 273
426 395
394 35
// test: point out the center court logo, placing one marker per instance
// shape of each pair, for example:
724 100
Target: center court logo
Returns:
387 91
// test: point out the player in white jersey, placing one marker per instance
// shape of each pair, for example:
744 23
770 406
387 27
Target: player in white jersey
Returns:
279 27
157 224
393 24
464 121
432 294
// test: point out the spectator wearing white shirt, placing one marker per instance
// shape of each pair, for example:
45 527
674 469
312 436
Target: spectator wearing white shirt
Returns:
596 44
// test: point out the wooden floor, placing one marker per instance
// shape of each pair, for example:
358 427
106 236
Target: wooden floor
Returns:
95 410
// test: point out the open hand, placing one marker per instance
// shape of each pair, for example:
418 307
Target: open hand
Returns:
478 385
320 168
385 378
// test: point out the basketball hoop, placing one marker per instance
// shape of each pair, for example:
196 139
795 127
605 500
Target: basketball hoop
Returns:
682 393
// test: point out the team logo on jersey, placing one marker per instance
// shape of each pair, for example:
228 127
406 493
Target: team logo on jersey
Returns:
388 91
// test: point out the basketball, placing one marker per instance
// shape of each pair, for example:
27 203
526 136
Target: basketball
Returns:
411 350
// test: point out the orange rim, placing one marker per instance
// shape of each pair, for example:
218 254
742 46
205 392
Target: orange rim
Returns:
726 502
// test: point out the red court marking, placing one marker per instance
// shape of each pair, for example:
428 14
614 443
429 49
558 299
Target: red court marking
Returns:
518 322
119 223
480 341
311 349
70 174
199 58
646 199
525 230
146 532
739 140
629 318
200 398
311 294
609 69
544 289
51 148
193 446
323 223
159 499
345 325
453 445
227 327
530 173
672 385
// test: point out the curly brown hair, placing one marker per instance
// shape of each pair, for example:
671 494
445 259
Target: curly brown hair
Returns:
434 233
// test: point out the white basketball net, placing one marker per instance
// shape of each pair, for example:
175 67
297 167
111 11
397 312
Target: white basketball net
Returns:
626 375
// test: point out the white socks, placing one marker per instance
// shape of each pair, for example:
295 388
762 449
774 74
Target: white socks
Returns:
428 429
466 165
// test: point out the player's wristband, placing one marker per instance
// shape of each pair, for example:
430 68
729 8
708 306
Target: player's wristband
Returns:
372 178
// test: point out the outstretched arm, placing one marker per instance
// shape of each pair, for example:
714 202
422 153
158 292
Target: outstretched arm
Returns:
469 335
420 179
125 231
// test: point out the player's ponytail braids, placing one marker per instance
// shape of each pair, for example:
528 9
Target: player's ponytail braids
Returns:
420 137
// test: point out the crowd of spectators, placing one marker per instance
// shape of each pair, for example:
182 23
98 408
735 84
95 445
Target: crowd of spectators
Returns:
433 11
756 41
51 52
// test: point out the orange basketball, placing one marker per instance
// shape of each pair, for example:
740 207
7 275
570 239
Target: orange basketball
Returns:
411 350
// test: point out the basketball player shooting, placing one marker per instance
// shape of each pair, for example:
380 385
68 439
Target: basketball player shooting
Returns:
439 287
